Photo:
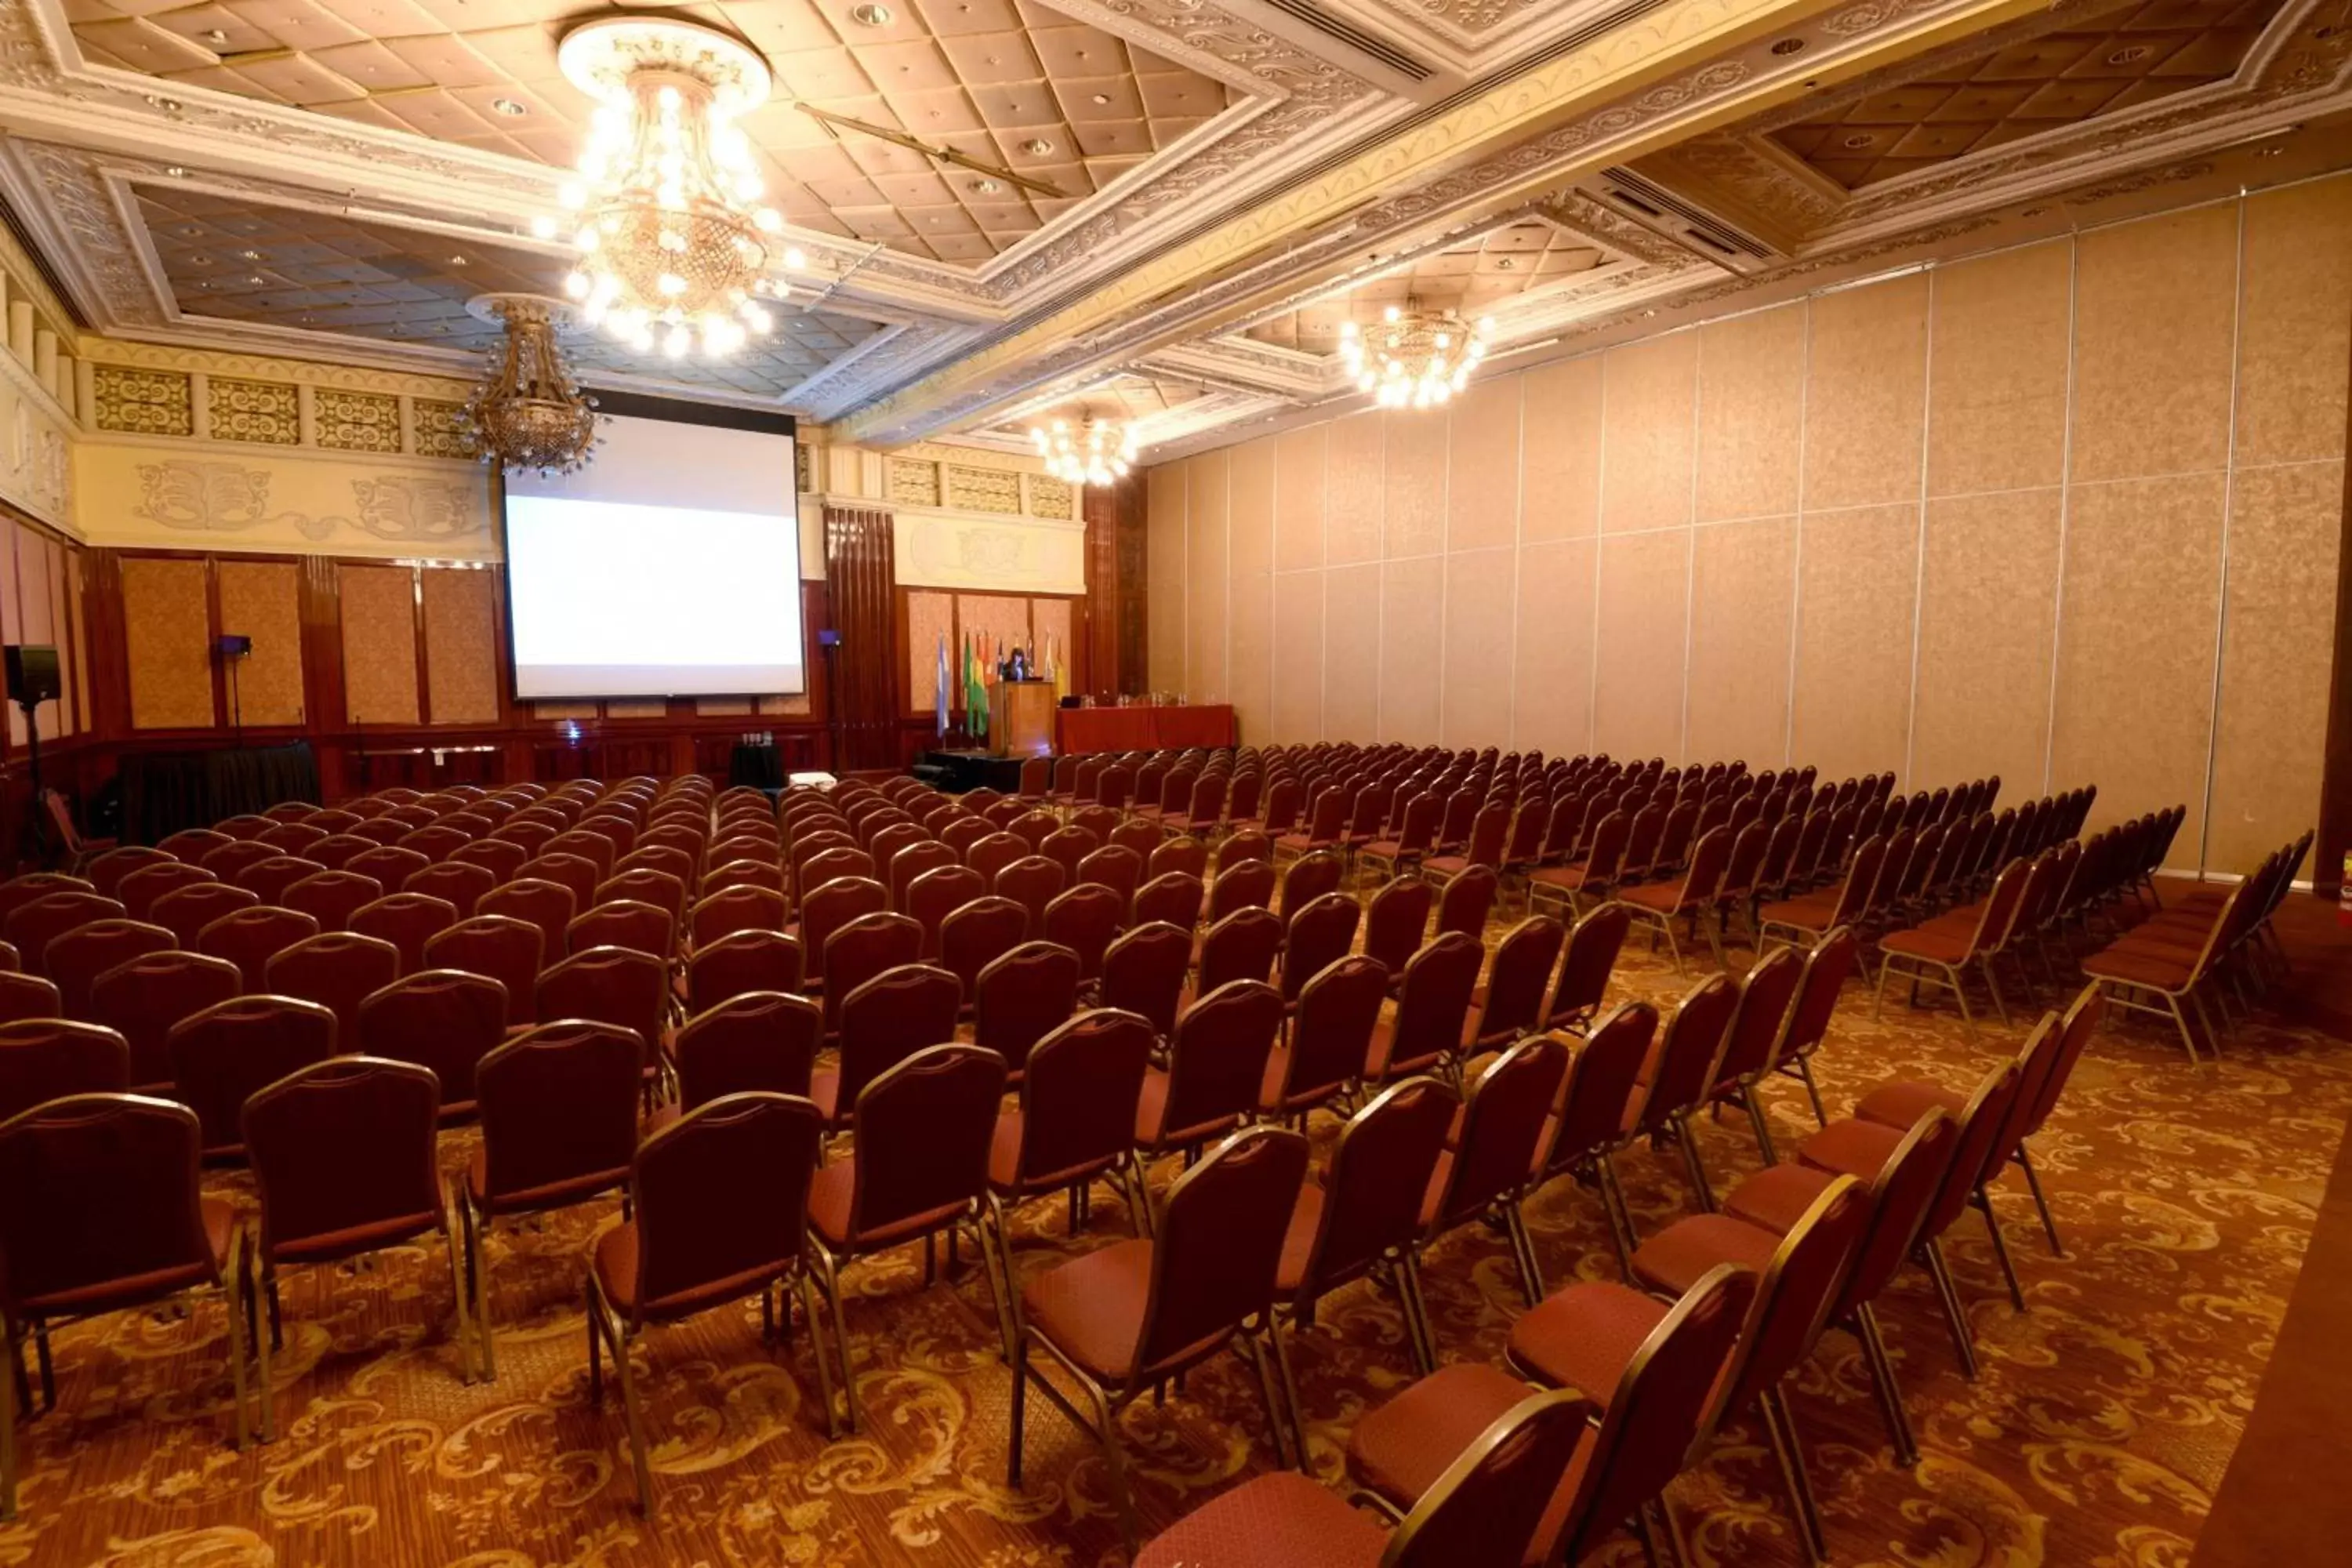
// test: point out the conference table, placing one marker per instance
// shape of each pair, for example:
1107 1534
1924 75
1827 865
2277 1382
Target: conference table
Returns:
1143 728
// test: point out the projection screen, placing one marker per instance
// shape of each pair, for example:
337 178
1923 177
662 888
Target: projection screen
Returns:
668 567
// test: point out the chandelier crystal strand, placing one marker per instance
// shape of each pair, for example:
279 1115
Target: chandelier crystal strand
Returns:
1097 453
675 249
528 412
1413 358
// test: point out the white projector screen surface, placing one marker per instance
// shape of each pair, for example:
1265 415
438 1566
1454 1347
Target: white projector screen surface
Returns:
668 567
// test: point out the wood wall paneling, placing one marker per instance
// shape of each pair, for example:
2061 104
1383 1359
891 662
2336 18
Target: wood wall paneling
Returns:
263 600
380 644
167 654
461 646
860 583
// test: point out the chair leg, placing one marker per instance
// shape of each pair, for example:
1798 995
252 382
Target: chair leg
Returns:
830 1282
2040 1201
1960 995
1420 1337
1956 1317
1753 1101
47 1365
1688 1138
1523 1250
1992 983
1621 1218
1882 1383
8 1425
469 1229
1020 1406
232 1293
1115 1461
1782 1429
2001 1248
264 1286
1878 993
1275 1411
461 1324
996 1263
1804 1064
1297 1412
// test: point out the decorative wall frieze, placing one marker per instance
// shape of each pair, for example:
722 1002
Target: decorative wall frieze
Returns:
162 493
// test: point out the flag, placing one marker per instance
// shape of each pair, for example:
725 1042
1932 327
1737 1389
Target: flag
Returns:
943 683
1055 652
975 692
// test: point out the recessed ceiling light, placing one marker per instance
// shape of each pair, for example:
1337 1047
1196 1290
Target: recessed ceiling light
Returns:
871 15
2130 54
988 187
1037 147
1788 47
1858 141
1504 264
456 261
508 107
250 255
2033 212
176 172
216 35
256 279
1102 98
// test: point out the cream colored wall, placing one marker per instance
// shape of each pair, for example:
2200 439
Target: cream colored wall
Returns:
2068 513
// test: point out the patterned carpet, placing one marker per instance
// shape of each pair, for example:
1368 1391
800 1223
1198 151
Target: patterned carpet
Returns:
2101 1425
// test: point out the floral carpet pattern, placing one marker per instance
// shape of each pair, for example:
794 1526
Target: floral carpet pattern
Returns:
2100 1426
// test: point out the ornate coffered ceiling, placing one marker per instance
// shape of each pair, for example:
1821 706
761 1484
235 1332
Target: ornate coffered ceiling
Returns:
1187 199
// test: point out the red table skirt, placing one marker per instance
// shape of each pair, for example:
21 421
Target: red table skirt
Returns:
1142 728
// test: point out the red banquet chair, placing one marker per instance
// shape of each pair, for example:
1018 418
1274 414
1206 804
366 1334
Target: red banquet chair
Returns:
141 998
444 1020
221 1056
46 1059
496 946
336 969
74 959
407 920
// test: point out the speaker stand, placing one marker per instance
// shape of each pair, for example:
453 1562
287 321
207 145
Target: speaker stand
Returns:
36 820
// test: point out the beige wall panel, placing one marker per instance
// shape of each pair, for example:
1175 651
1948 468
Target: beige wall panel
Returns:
169 630
2295 330
2135 647
1751 401
1413 508
1353 459
1299 656
1997 406
2154 316
461 648
1986 628
1206 565
36 563
1250 680
73 673
1051 618
74 602
1412 629
1351 653
929 617
1743 595
1480 592
1002 619
1559 454
1644 602
1857 577
1163 568
262 600
1865 395
2285 525
14 537
379 609
1481 489
1250 509
1299 490
1552 694
1648 408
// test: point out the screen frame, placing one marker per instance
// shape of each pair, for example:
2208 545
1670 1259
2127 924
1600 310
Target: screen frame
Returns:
675 411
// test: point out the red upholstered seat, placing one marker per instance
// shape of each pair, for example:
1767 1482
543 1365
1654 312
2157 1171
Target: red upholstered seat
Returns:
1777 1196
1278 1520
1583 1337
1946 938
829 1202
1850 1148
1673 1260
1399 1449
2141 967
1903 1102
1093 1306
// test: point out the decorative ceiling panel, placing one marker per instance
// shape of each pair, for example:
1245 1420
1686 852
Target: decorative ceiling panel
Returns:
2118 61
232 258
1004 82
1498 268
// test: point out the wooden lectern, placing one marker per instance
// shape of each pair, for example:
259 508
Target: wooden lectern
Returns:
1021 718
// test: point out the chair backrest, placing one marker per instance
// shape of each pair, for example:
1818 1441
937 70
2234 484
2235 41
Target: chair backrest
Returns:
1022 996
1216 1060
1242 884
1173 896
1687 1054
976 933
898 1013
1900 1196
1240 946
1517 979
923 1130
331 897
740 962
142 997
1187 855
100 1188
1761 1019
1085 919
765 1040
407 920
392 865
43 1059
1490 1503
917 859
624 922
698 1244
2039 1096
1432 1003
559 1112
444 1020
336 969
1336 1011
1468 898
1218 1244
938 893
992 852
250 937
1585 961
457 883
1799 1287
1602 1078
140 890
1144 972
504 949
76 959
1664 1403
1377 1182
221 1055
1033 881
344 1149
608 986
548 905
863 949
1319 935
1079 1097
32 925
1394 922
1310 877
1502 1128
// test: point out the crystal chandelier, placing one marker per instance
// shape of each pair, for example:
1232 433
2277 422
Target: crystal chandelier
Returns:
1096 452
1415 358
675 248
528 413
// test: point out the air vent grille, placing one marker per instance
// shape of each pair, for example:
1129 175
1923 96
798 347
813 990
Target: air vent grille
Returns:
1367 44
1629 189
